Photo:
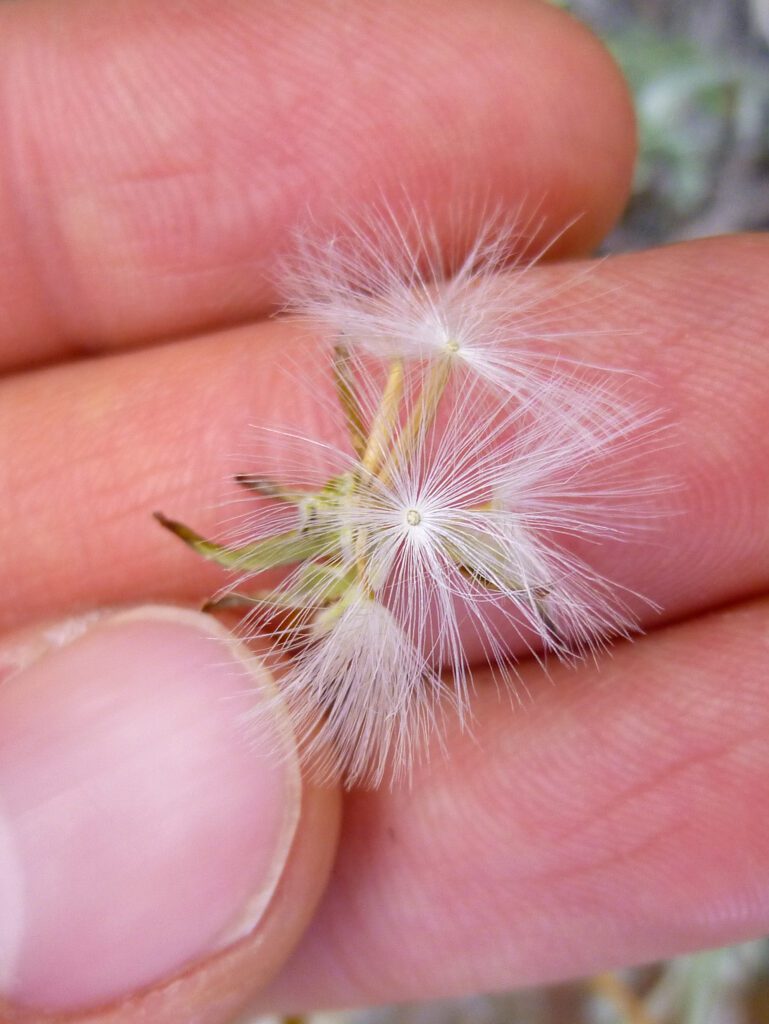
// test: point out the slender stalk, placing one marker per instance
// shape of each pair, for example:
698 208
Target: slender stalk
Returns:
380 457
377 447
386 417
345 390
421 417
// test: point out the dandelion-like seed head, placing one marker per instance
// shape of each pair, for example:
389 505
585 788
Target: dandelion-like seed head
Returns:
388 291
460 523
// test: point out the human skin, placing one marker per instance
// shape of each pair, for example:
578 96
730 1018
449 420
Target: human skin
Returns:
154 161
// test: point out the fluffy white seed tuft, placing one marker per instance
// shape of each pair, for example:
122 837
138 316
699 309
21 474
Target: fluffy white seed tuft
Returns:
387 289
461 518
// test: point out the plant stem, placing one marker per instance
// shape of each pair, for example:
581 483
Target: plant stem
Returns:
377 447
421 417
345 389
385 419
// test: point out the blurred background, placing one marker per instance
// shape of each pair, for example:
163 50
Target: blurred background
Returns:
699 70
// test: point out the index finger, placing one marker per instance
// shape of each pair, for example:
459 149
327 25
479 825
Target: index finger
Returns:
154 160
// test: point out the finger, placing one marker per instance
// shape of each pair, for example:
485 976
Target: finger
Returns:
91 449
155 159
619 819
158 858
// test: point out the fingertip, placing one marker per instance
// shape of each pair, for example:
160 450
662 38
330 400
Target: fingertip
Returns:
176 223
156 854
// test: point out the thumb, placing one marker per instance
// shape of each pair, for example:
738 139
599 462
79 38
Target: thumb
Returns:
158 859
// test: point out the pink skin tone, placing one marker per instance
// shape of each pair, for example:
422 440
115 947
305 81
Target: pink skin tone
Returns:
617 818
613 820
143 896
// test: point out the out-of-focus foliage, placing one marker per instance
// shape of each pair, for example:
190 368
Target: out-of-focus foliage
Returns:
726 986
699 71
691 107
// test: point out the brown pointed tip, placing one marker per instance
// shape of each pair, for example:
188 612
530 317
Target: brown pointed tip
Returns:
169 524
255 483
219 604
179 529
212 604
227 602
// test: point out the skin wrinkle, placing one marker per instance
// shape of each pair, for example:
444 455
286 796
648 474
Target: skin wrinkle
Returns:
613 823
618 813
471 898
23 241
61 225
609 819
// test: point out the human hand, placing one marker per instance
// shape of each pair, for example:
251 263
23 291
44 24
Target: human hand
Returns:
152 864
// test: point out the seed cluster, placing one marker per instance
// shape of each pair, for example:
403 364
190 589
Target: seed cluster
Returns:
449 525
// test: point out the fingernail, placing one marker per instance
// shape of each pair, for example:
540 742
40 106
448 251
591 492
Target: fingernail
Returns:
143 825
